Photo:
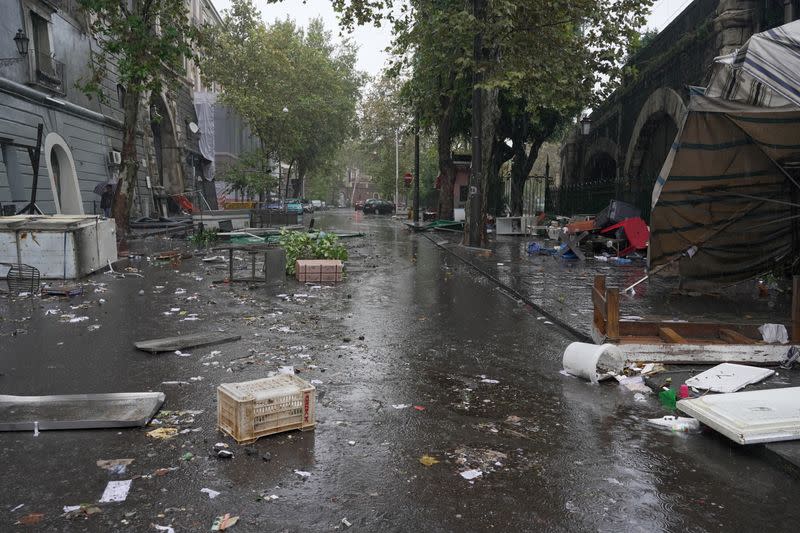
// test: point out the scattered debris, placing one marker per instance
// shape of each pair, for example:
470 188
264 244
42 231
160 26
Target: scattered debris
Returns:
183 342
303 474
114 466
31 519
428 460
676 423
592 362
471 474
116 491
211 493
221 523
728 377
163 433
346 523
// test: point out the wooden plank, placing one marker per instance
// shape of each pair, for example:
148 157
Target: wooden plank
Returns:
612 310
705 354
669 335
195 340
599 302
796 309
687 329
734 337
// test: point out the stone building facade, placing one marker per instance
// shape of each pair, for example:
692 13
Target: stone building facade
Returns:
83 135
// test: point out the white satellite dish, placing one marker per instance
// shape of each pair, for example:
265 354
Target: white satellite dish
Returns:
194 128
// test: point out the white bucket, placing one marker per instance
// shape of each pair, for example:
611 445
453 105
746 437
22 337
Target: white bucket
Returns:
592 362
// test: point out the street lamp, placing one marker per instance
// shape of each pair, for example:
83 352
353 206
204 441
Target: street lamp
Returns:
21 41
586 125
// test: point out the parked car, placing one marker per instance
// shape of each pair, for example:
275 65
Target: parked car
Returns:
379 207
317 204
294 205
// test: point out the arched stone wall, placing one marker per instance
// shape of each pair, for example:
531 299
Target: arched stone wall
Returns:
63 176
663 102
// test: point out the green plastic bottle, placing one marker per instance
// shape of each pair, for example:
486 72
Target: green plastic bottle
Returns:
667 398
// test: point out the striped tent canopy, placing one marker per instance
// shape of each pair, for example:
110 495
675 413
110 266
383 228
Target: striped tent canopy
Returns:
764 72
725 206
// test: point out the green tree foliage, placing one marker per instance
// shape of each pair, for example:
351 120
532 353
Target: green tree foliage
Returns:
145 41
296 89
251 176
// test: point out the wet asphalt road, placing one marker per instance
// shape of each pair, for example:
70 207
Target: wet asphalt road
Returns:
557 454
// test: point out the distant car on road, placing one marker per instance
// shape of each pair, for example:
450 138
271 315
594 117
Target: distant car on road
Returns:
318 205
293 205
378 207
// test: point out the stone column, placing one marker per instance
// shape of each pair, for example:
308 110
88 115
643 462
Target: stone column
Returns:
734 23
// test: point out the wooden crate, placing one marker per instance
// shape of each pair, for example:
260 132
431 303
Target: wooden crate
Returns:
319 270
252 409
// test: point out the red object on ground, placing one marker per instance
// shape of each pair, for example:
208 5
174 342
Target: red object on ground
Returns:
636 231
184 203
684 391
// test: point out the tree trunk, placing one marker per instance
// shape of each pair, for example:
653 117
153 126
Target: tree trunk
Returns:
490 111
288 176
447 169
129 170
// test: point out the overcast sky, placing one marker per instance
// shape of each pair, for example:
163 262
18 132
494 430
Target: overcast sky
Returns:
373 41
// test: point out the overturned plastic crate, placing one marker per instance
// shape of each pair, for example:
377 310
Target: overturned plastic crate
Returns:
252 409
319 270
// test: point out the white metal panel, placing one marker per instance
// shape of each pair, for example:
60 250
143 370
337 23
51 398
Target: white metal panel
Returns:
750 417
728 377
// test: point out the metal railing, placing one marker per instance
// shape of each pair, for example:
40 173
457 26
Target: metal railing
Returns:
591 197
49 72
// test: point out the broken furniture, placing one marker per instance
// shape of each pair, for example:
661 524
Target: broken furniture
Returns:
684 342
78 411
274 261
21 278
770 415
59 246
184 342
253 409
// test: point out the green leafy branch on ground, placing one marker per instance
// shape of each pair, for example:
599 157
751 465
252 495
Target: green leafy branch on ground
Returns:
301 245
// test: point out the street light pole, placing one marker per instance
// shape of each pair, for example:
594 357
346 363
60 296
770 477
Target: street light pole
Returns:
416 169
396 168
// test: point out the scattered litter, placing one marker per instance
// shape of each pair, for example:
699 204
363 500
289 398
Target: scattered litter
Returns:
225 454
728 377
316 382
286 370
78 319
71 508
346 523
302 474
676 423
182 354
419 407
18 507
184 342
772 333
116 491
31 519
93 327
163 433
211 493
351 442
221 523
490 381
168 529
471 474
634 384
791 358
401 405
188 456
174 382
428 460
115 466
639 397
214 259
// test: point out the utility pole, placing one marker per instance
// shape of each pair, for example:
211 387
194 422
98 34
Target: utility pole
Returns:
416 169
473 236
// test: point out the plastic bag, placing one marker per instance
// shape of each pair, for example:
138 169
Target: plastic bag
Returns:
772 333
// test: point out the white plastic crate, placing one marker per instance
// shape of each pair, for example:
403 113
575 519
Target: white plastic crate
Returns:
253 409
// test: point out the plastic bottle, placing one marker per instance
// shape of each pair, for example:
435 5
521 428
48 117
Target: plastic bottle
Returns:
684 391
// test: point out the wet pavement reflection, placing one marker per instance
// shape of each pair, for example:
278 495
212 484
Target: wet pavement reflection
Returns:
417 355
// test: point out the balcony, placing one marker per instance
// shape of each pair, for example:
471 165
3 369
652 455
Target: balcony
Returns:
48 73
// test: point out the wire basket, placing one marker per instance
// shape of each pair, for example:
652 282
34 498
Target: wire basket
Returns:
23 278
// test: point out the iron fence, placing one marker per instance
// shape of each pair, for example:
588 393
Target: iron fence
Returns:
592 196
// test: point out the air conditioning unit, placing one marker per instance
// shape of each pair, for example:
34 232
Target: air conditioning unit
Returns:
114 157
